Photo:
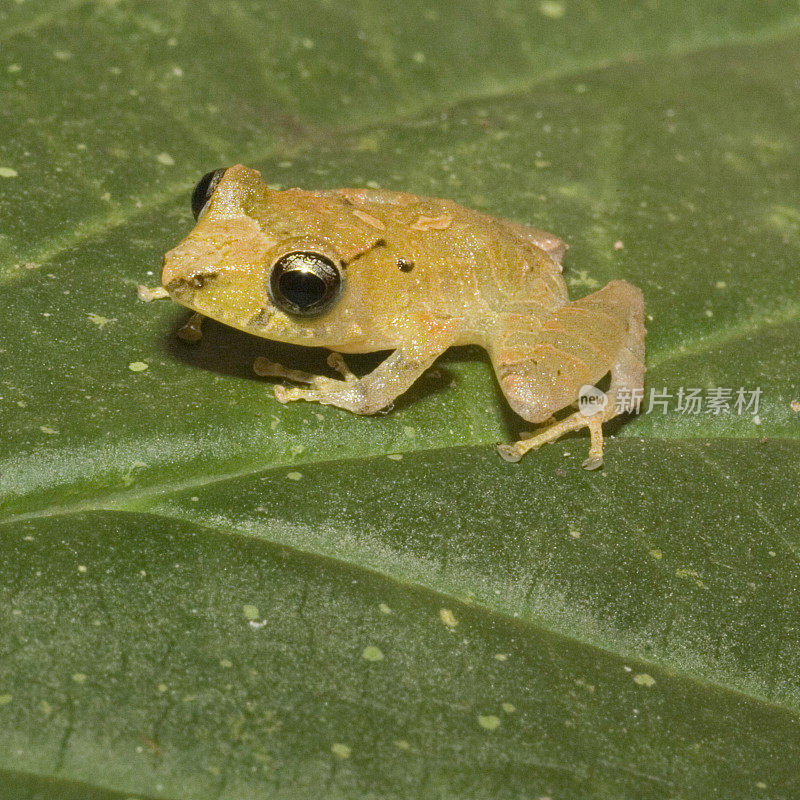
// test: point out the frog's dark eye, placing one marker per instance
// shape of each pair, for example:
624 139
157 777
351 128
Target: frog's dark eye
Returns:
204 189
304 283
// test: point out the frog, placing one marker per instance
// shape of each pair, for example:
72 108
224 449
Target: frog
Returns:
362 270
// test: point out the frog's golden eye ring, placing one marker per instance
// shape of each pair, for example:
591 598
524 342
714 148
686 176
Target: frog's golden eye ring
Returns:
204 189
304 284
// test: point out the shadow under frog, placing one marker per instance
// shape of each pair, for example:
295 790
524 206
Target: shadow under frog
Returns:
228 351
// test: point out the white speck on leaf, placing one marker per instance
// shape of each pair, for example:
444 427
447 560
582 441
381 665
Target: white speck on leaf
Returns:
583 279
552 9
372 653
446 615
101 322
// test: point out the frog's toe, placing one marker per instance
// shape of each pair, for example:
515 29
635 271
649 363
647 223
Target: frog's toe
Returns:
284 394
337 362
265 368
593 462
280 393
192 331
509 452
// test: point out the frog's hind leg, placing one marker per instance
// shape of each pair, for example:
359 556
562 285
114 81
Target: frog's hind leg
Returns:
580 343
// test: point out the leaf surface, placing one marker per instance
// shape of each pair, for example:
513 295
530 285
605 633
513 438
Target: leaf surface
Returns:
208 594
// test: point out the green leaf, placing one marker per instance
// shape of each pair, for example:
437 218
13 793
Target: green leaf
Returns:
208 594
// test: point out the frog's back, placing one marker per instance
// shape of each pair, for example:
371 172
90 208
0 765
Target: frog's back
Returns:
466 263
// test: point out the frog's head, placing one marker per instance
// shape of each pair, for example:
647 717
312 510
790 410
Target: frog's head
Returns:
290 265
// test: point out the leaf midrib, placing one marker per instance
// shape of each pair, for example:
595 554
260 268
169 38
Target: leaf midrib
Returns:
492 615
121 500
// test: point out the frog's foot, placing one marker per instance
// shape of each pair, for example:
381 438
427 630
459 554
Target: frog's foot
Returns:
514 452
148 295
374 391
327 391
191 331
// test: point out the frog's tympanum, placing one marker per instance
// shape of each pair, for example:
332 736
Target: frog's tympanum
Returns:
361 270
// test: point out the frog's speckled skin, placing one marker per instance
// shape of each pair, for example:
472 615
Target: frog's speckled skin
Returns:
475 279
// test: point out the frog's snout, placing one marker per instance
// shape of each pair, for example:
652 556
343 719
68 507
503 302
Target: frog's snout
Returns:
181 282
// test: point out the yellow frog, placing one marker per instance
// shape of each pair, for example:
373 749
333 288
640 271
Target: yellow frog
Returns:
361 270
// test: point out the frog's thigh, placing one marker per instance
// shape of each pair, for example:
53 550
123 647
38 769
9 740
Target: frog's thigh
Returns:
580 343
577 345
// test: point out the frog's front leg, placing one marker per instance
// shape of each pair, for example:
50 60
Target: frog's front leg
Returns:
374 391
581 342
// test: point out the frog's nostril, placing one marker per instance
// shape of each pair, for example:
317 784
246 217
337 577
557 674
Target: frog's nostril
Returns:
177 283
199 280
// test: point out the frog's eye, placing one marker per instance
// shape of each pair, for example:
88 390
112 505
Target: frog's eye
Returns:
304 283
204 189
